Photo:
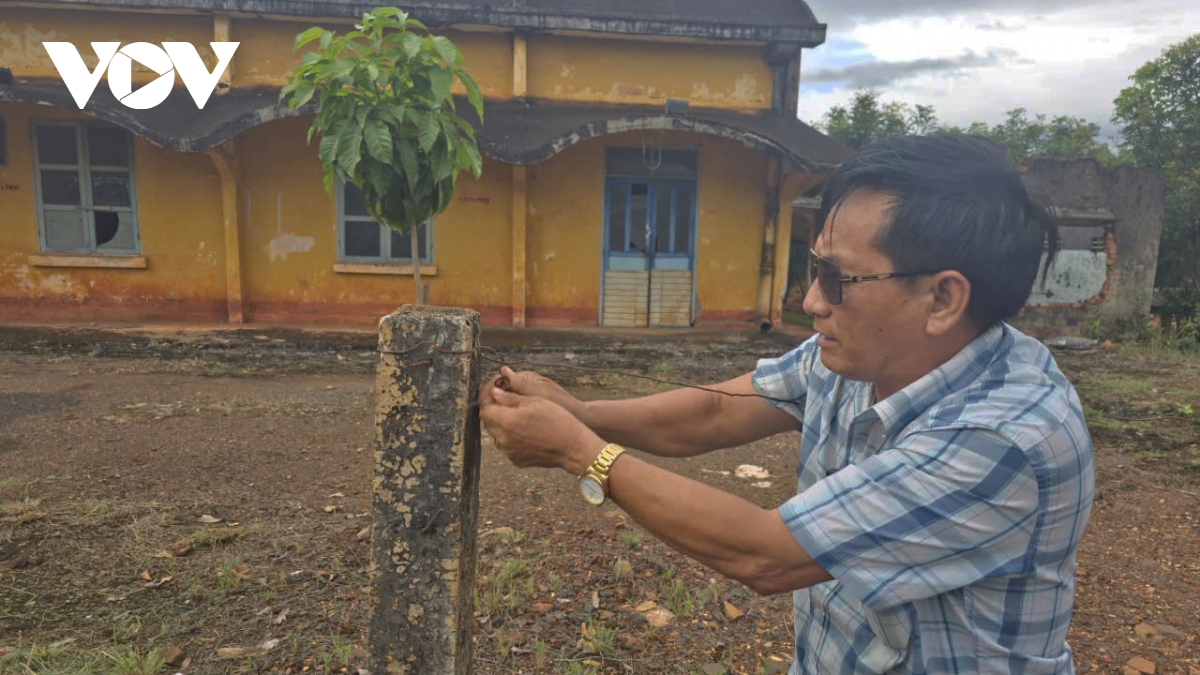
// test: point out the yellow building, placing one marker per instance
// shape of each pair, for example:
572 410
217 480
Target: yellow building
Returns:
639 169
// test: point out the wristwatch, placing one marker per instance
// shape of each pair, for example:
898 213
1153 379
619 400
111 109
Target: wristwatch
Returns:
594 482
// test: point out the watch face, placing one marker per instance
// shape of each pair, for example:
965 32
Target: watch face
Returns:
592 491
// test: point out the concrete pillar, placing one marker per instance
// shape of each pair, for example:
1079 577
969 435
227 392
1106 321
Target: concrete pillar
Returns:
425 493
221 33
224 159
520 66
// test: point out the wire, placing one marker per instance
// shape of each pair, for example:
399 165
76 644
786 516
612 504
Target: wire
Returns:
494 356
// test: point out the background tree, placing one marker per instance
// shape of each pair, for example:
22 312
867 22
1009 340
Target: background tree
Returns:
1024 137
1159 117
869 119
386 117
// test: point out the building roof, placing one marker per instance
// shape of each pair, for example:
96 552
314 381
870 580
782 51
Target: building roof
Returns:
514 132
786 21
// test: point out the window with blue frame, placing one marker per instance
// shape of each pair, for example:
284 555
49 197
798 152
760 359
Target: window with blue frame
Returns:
363 239
650 201
84 182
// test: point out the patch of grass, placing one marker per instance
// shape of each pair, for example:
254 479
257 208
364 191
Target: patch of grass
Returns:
22 512
540 652
132 661
342 649
797 319
211 536
599 638
53 659
677 597
632 537
622 570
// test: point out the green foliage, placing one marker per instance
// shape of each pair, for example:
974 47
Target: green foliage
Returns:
868 119
1024 137
631 537
1159 117
385 114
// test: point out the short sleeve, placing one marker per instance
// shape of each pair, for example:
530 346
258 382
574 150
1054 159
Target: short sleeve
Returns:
940 511
784 381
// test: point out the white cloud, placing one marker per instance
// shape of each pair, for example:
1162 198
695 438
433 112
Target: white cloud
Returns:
1070 62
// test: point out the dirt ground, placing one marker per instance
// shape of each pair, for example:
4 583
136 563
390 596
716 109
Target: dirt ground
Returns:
202 498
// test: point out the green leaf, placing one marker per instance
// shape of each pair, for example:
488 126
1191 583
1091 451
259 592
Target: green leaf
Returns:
409 163
329 145
473 93
379 140
379 176
308 36
446 49
349 149
340 69
427 130
440 81
411 44
326 39
304 94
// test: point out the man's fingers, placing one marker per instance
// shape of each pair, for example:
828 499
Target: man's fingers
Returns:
507 399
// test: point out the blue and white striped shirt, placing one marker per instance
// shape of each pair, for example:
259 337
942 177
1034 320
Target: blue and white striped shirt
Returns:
949 514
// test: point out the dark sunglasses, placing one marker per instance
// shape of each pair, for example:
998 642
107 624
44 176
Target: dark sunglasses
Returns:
830 278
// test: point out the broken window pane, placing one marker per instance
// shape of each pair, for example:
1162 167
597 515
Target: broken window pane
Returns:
110 188
114 231
56 145
60 187
362 239
107 146
64 230
639 214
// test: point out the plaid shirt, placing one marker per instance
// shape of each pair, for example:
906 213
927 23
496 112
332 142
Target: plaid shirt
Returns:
949 514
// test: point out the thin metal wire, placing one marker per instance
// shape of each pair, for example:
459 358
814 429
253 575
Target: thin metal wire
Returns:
494 356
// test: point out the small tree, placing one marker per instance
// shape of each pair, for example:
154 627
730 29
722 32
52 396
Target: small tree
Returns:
386 117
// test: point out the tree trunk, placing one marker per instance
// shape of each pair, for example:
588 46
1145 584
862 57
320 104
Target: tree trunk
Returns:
416 258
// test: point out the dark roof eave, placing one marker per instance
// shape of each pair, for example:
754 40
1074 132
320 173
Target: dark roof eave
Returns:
805 35
515 132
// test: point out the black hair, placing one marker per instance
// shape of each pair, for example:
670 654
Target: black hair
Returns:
958 205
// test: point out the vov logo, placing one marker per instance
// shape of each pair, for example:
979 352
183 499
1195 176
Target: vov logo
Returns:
172 57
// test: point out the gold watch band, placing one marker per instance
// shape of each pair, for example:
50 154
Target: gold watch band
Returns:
600 468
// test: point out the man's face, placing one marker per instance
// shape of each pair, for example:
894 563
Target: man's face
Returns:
879 327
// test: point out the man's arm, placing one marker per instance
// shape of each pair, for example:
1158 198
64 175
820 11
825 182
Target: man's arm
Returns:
681 423
732 536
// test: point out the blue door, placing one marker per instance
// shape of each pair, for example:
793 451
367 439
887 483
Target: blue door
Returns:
649 244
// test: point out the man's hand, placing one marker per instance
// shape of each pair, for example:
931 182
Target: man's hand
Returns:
536 432
532 384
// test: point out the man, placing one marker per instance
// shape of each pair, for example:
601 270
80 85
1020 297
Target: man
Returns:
945 468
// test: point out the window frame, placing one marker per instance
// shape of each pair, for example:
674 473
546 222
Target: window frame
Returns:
84 170
385 234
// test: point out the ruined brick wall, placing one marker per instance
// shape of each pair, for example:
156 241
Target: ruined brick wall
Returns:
1122 206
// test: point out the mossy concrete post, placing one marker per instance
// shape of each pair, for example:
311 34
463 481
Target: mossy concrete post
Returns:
426 492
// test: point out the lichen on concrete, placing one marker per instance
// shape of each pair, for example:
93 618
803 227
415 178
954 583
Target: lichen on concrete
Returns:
425 492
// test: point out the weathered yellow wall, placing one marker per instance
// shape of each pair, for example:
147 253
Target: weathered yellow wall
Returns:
566 206
178 200
265 56
633 72
22 32
289 239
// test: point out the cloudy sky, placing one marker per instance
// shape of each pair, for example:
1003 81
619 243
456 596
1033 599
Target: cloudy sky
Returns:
975 59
